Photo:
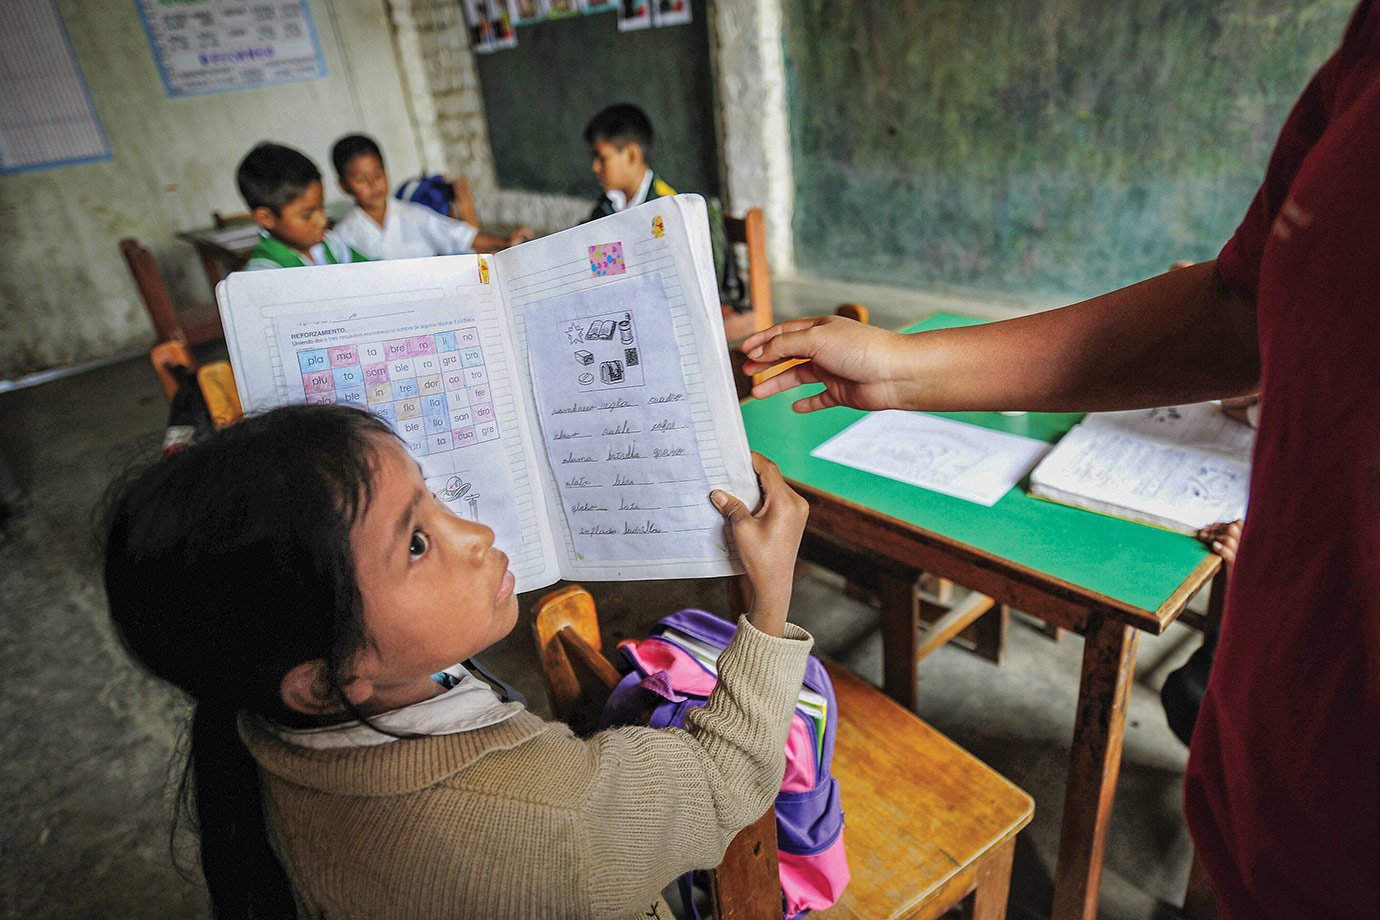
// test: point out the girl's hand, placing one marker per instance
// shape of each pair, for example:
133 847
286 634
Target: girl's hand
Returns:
520 235
860 365
768 540
1222 539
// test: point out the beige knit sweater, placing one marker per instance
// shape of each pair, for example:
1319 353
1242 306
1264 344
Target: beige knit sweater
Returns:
524 820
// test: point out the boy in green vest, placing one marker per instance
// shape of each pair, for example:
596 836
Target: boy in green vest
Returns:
283 190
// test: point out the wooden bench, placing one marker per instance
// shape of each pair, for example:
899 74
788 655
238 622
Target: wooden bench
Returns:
927 826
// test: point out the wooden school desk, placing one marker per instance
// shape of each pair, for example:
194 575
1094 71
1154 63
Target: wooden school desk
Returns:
1102 577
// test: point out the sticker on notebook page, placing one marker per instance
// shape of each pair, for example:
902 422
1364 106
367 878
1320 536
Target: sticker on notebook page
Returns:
658 227
483 270
607 259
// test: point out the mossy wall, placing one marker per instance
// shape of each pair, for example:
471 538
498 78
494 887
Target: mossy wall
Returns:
1037 147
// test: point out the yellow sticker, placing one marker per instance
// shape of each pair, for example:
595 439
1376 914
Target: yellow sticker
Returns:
483 270
658 227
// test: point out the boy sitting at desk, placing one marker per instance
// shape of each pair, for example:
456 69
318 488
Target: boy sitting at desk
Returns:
283 190
384 228
620 141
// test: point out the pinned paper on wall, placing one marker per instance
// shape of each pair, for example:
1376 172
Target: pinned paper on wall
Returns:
526 12
559 9
481 28
634 15
220 45
501 24
46 115
670 12
607 259
600 6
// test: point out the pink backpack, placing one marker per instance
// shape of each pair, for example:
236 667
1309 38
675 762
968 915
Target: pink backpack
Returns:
675 665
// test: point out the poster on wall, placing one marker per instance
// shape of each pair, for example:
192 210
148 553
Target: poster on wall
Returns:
634 14
210 46
559 9
481 27
501 25
46 115
599 6
526 12
670 12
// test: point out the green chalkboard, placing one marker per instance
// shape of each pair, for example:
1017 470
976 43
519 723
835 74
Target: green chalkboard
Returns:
1061 147
539 96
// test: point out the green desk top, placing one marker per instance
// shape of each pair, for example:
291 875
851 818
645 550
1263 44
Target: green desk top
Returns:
1131 563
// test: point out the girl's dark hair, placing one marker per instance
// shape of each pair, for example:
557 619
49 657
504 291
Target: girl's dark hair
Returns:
351 146
227 565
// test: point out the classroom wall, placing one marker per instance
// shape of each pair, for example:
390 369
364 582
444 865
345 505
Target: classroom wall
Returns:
1036 147
65 293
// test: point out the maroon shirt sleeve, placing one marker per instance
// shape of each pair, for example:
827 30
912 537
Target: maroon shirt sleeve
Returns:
1239 261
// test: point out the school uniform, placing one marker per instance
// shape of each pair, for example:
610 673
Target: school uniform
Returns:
410 231
1282 793
273 253
615 200
653 187
490 811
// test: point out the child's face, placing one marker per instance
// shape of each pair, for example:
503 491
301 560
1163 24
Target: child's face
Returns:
302 222
617 168
435 590
366 181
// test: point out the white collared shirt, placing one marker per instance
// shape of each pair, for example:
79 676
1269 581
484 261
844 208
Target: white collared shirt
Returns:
618 200
410 230
469 705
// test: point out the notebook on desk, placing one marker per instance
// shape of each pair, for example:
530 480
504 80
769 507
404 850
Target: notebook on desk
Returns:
1178 467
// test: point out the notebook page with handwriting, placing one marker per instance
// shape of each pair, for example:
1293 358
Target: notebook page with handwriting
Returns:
426 345
618 323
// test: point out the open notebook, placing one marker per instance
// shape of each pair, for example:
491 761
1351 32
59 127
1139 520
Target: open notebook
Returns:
573 393
1178 467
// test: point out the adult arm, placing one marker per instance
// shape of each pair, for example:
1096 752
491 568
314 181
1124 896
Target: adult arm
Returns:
1180 337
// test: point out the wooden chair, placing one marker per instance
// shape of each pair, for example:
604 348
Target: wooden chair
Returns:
928 827
749 231
462 206
216 380
197 326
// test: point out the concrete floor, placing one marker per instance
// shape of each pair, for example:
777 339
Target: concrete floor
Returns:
88 740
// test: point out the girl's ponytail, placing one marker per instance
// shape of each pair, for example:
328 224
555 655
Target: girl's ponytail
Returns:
243 877
227 565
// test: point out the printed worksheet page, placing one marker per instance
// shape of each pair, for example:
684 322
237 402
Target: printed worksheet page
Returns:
618 324
424 345
966 461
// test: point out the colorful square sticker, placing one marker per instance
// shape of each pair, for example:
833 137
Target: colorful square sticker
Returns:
607 259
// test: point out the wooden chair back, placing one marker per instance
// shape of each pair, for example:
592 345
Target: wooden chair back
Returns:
750 231
153 291
462 206
202 324
928 826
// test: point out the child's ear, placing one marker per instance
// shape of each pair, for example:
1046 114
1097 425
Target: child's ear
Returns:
265 218
345 187
306 689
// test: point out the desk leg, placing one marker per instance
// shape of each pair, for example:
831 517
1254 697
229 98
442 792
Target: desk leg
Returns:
900 615
1109 663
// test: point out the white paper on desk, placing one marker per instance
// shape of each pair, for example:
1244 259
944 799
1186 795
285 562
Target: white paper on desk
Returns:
966 461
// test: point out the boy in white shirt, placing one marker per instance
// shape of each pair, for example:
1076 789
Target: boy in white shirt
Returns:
382 227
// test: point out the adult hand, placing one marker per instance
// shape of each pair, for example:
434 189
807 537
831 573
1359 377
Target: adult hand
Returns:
860 366
768 540
1222 539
